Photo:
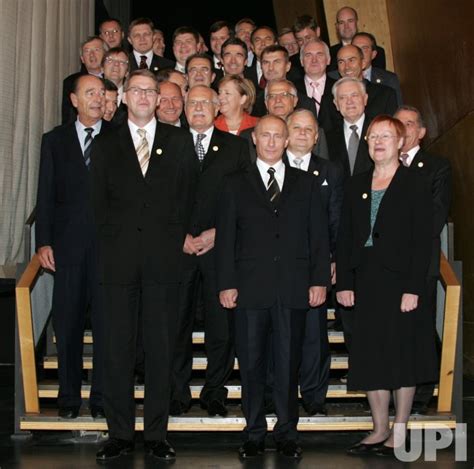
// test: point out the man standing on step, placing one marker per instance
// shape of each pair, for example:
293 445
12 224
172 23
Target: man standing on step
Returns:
143 180
66 242
272 258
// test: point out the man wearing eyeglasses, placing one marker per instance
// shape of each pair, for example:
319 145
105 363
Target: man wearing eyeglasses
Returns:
143 180
111 32
218 154
140 36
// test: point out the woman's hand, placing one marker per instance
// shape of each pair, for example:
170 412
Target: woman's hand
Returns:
409 302
346 298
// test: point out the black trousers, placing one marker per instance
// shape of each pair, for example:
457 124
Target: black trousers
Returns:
253 330
218 336
158 325
75 290
316 358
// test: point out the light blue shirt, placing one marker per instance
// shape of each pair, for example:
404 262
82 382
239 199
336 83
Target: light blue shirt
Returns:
82 134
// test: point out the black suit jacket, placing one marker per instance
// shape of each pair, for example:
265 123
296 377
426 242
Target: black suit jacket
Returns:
401 234
64 217
270 253
338 149
304 102
379 60
68 111
438 172
384 77
330 180
141 221
157 63
294 74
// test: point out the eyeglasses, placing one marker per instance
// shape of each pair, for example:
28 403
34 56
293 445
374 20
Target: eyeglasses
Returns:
110 60
149 92
285 94
204 102
204 70
110 32
382 138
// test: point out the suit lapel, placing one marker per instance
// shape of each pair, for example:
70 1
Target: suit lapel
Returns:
130 155
253 175
291 175
216 147
75 147
158 150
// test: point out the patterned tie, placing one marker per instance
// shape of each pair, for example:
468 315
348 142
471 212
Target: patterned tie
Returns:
273 190
316 95
353 147
298 161
262 83
143 62
87 146
404 159
200 152
143 152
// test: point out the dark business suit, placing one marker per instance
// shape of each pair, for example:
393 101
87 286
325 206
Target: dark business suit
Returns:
157 63
142 222
64 221
271 255
260 109
387 78
379 60
294 74
438 172
316 359
226 154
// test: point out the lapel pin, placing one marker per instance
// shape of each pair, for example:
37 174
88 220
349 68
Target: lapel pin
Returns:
378 80
316 173
155 69
215 148
420 164
364 195
159 151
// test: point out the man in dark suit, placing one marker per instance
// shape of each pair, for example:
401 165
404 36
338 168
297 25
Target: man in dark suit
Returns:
276 65
366 43
219 32
438 172
346 27
199 70
234 56
185 44
140 36
316 84
218 153
350 63
92 53
316 359
170 109
111 32
261 37
66 242
243 30
143 181
271 271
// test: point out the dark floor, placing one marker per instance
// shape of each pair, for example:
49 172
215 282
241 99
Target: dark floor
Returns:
46 450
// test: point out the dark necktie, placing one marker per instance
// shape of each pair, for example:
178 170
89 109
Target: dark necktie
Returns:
87 146
262 83
353 147
143 62
404 159
273 190
200 152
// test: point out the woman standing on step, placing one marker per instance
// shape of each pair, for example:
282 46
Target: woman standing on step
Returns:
383 254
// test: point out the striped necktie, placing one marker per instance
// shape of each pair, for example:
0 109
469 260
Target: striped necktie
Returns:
87 146
273 190
143 152
199 147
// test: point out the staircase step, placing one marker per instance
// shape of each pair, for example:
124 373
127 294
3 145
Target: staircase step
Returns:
338 362
340 418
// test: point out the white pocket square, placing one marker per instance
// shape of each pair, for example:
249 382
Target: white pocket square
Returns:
325 183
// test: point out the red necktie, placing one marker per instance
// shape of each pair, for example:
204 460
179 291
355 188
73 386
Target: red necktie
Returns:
262 83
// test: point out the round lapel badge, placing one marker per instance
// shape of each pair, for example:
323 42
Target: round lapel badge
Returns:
364 195
316 172
215 148
420 164
159 151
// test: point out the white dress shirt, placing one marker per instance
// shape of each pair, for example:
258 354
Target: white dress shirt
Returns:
305 163
82 134
348 130
411 154
206 141
138 57
180 68
259 70
279 172
150 129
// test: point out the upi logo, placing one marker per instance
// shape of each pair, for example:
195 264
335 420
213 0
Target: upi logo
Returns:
434 439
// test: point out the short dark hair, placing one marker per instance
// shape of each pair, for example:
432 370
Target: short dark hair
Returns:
186 30
76 82
407 107
234 41
200 55
244 20
139 21
275 48
369 36
268 28
108 20
109 85
219 25
304 21
90 39
113 51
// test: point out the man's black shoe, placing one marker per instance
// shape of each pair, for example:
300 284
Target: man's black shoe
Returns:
419 408
114 448
290 449
178 408
97 412
251 449
70 412
160 450
318 410
215 407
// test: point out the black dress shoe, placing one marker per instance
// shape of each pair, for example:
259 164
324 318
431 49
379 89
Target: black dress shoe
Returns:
70 412
160 450
290 449
251 449
178 408
419 408
385 451
216 407
97 412
364 449
315 409
269 408
114 448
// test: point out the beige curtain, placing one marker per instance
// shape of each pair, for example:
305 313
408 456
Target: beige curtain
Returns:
39 44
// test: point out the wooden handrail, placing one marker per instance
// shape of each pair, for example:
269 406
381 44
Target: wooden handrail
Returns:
450 335
25 333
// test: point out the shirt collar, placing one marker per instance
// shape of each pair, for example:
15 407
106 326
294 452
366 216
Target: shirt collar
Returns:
80 127
150 128
264 166
359 123
208 133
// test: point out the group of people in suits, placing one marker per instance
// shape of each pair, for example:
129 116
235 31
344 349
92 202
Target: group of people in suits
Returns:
251 218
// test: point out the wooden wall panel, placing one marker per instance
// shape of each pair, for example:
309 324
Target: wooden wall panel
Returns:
286 12
373 18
